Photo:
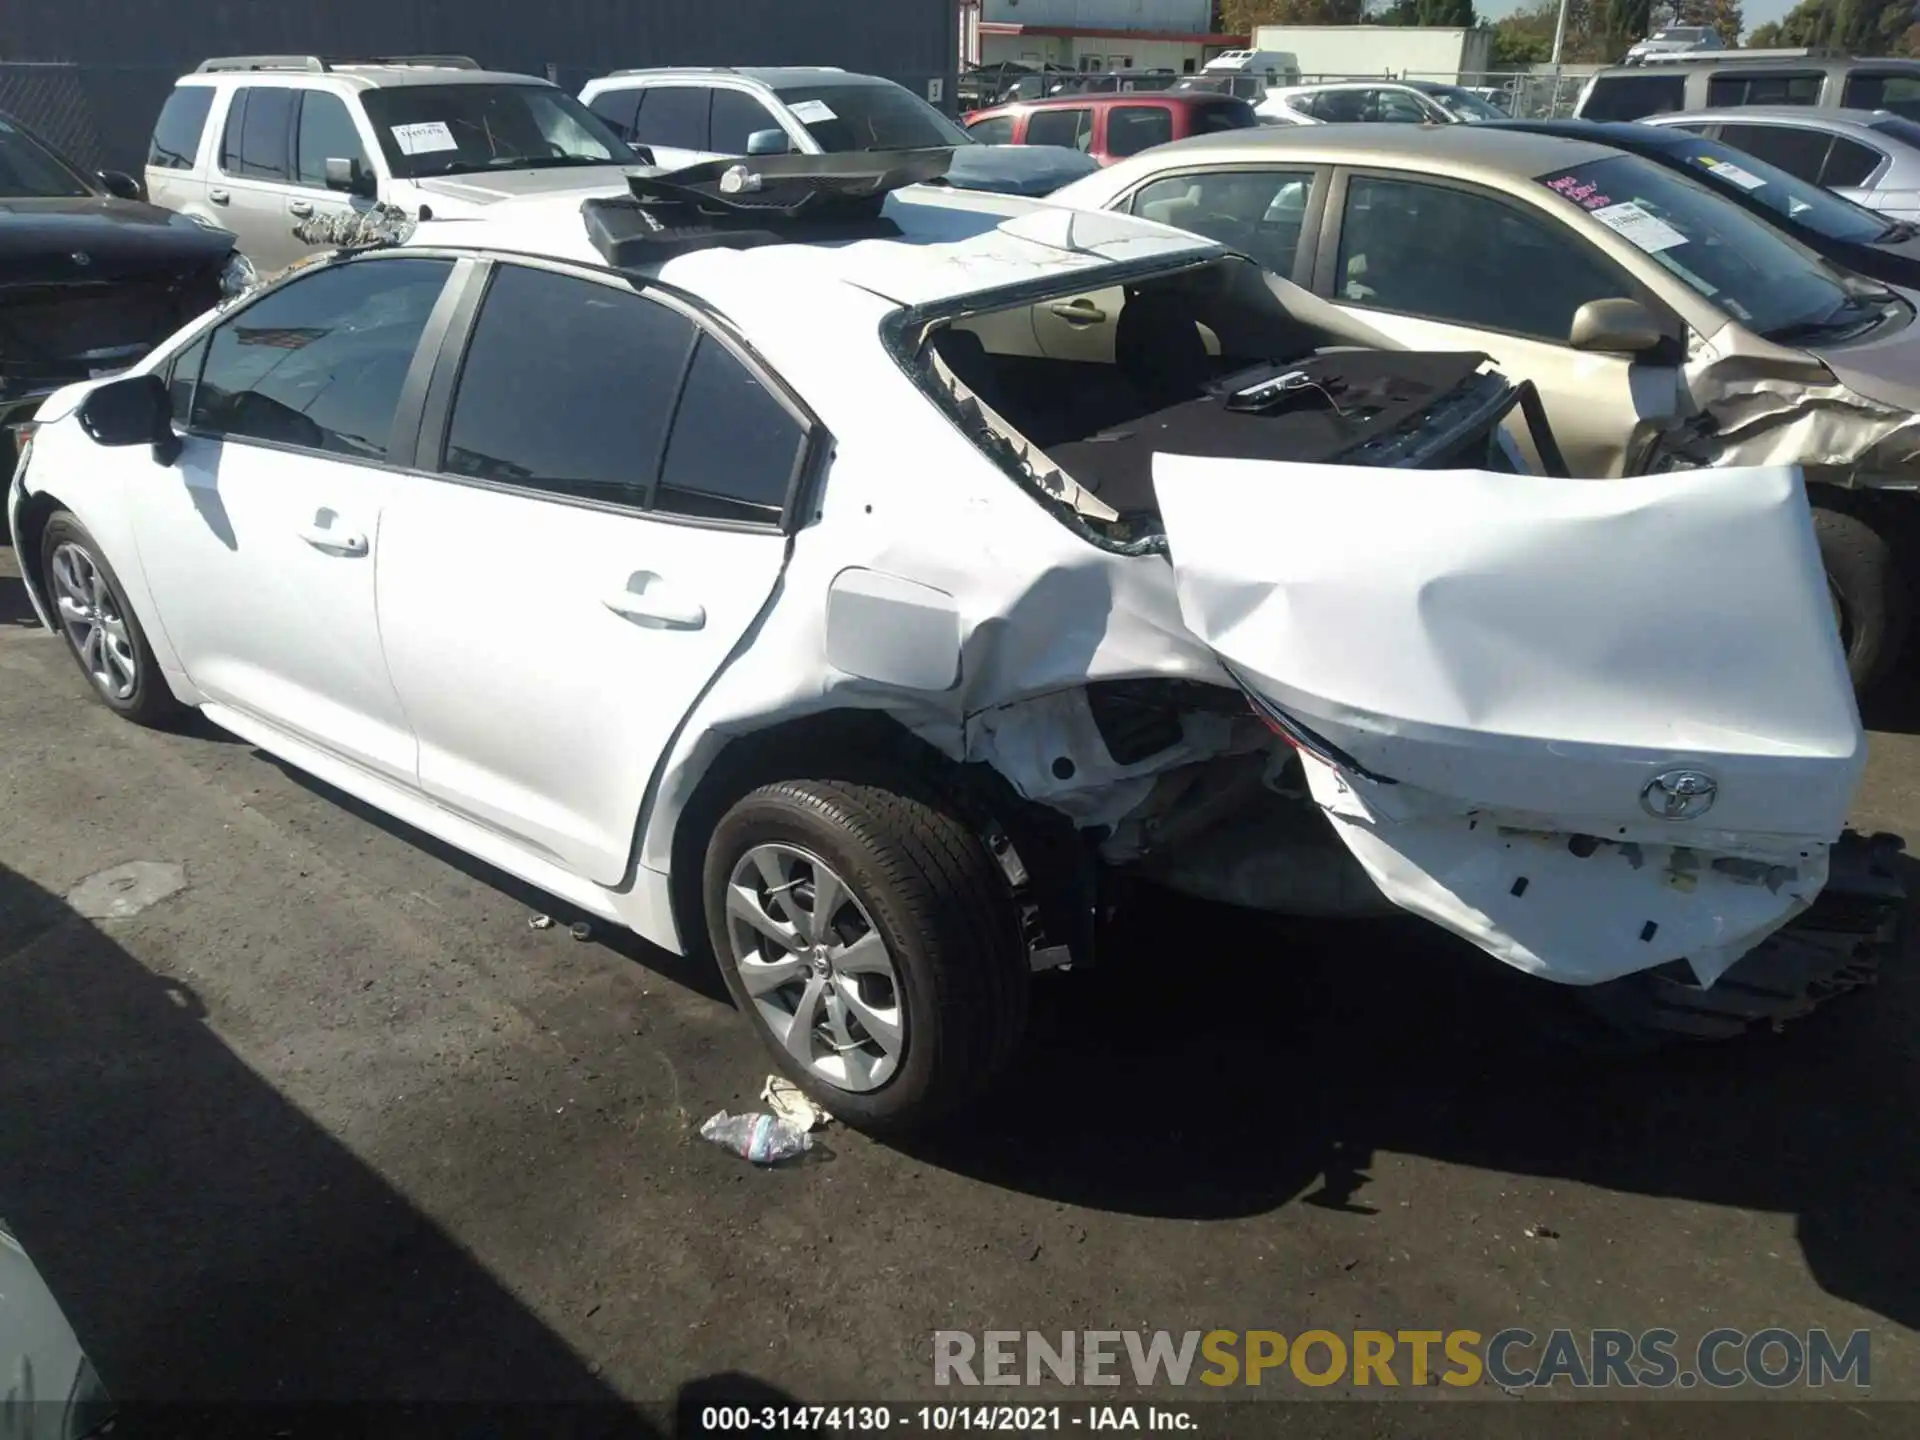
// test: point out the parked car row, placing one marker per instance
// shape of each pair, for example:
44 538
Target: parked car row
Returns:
878 580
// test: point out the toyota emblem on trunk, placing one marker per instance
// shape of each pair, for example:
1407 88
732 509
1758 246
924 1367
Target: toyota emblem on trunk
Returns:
1679 795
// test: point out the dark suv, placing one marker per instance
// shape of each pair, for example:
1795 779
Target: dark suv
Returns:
1110 127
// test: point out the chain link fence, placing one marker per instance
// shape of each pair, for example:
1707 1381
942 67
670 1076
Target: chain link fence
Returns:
98 116
50 100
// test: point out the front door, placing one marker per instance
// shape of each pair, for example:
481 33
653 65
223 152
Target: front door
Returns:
261 545
324 130
252 178
604 527
674 122
1439 267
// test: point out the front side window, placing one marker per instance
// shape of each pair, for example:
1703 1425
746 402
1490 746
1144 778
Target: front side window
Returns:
1257 212
736 117
325 132
995 130
1898 92
1466 258
1072 128
176 134
673 117
878 116
1340 107
467 129
319 363
567 387
619 109
1802 88
1398 107
1633 97
1721 252
1133 128
1463 104
258 125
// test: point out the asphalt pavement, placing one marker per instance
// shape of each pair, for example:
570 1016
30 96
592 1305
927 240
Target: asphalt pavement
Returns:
332 1122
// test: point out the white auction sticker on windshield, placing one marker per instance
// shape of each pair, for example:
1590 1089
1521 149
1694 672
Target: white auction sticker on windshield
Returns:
424 138
809 112
1727 170
1642 227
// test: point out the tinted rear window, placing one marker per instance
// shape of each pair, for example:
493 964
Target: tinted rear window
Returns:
1780 88
1630 97
259 124
1898 92
1133 128
176 135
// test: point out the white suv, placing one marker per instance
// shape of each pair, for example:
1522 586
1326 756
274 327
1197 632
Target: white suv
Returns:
855 578
257 144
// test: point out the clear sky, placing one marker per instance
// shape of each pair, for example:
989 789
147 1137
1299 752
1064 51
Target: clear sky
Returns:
1755 12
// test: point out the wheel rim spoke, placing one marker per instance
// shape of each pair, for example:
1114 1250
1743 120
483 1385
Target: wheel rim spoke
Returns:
102 640
835 1008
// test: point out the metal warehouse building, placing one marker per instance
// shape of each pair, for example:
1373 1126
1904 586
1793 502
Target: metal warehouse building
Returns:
91 74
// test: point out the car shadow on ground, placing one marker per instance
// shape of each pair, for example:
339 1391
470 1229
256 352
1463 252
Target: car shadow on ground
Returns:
208 1242
1223 1064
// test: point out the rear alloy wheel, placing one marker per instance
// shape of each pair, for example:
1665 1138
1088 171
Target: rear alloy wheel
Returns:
100 629
1869 595
872 940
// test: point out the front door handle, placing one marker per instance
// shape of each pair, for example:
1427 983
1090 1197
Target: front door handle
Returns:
330 541
218 197
1078 312
299 207
651 601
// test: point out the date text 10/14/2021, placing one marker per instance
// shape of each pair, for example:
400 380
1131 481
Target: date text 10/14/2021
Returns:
940 1419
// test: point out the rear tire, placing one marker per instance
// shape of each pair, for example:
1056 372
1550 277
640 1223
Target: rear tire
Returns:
1869 593
102 633
927 931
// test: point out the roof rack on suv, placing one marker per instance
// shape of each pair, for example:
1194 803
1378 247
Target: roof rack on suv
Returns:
720 69
740 205
1734 57
313 64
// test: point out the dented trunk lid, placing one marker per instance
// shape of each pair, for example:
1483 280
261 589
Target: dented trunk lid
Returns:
1635 686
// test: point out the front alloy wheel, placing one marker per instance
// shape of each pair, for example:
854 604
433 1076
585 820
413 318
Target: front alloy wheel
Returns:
93 623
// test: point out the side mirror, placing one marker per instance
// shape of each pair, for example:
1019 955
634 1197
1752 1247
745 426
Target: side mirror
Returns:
133 411
768 142
121 185
352 177
1622 327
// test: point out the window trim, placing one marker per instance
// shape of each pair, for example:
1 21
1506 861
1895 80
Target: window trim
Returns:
1318 188
1866 182
403 438
449 364
1333 226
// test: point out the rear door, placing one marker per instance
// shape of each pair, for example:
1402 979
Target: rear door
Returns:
601 520
253 175
1448 267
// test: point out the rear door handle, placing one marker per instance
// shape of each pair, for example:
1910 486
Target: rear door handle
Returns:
1078 312
218 197
651 601
330 541
300 207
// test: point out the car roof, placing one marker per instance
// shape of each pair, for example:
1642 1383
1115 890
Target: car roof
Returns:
1465 149
368 77
1799 114
1621 134
951 244
774 77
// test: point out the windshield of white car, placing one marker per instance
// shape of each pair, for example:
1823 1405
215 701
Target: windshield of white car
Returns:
1788 196
1462 104
1722 253
429 130
28 169
842 118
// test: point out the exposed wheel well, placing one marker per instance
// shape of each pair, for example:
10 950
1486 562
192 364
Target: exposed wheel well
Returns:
868 745
34 515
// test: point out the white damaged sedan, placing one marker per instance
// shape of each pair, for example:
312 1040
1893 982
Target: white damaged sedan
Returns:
853 577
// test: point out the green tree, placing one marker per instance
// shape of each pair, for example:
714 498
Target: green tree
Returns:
1445 14
1242 17
1860 27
